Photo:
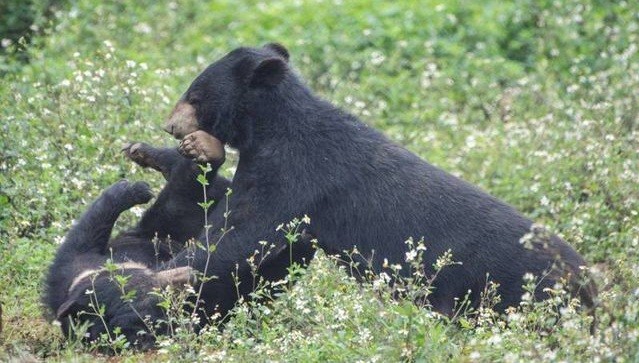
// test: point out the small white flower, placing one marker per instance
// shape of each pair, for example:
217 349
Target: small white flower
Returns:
528 276
306 219
143 28
340 314
137 211
494 340
410 255
377 58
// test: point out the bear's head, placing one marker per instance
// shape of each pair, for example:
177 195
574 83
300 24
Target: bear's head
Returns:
95 302
217 100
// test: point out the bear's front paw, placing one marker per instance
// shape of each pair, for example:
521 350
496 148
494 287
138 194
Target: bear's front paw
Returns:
126 194
143 155
202 147
140 192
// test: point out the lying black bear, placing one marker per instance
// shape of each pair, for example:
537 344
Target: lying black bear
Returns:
300 155
174 218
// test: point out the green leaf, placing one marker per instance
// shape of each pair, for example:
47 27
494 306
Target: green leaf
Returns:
206 205
205 168
202 180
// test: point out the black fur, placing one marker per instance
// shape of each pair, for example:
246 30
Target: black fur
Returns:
301 155
174 218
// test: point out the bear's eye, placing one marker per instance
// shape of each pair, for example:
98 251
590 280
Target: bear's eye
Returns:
193 99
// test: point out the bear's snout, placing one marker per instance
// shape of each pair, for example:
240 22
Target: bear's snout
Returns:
182 120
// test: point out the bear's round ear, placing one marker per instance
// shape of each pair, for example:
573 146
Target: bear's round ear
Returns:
269 72
279 49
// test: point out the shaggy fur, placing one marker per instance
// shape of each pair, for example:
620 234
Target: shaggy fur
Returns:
301 155
78 266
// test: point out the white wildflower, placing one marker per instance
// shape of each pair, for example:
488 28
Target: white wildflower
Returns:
410 255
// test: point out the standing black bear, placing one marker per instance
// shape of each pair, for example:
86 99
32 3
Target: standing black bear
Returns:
301 155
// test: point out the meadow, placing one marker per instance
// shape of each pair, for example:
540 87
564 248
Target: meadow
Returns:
536 102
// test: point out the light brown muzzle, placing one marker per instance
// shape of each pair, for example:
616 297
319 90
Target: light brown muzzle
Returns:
182 121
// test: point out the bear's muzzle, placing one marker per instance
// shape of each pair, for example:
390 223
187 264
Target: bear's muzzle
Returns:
182 120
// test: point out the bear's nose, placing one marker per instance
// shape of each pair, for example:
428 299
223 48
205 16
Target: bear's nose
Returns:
169 128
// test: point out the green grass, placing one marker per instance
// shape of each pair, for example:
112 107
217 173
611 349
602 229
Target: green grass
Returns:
534 101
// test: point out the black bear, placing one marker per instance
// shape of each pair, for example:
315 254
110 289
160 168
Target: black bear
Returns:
300 155
174 218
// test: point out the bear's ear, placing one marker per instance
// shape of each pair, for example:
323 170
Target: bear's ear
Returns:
269 72
279 49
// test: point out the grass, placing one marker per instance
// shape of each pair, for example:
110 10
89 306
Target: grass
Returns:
534 101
